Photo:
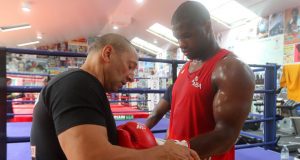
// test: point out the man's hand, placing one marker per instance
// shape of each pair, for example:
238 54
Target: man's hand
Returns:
175 151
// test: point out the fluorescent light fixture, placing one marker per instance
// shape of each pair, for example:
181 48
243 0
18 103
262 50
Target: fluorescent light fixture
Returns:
163 32
212 5
146 45
39 36
115 27
139 1
14 27
29 43
26 7
228 12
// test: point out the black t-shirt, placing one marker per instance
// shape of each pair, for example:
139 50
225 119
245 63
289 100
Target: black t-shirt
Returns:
70 99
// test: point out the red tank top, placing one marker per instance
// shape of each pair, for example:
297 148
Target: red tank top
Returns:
192 103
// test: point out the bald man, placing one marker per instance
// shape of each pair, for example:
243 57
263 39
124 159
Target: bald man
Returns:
73 119
213 93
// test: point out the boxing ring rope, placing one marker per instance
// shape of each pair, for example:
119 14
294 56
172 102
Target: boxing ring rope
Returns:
258 70
28 74
42 52
112 101
44 75
242 146
269 138
21 101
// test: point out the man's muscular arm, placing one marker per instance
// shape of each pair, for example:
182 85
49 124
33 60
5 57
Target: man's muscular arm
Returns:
234 83
86 142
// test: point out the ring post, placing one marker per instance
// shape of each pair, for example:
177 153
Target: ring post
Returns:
3 148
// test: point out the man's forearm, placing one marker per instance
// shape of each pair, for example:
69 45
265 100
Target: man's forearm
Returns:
120 153
153 120
213 143
160 110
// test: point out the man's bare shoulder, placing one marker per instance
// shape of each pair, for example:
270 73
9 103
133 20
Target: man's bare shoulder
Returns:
232 67
232 62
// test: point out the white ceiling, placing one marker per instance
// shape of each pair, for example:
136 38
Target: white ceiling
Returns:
60 20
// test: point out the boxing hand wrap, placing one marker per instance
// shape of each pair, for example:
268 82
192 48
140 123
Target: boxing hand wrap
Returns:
135 135
183 143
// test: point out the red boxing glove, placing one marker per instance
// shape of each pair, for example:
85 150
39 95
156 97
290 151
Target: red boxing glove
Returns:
135 135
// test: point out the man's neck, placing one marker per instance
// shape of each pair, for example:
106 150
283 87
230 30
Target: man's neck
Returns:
209 52
95 71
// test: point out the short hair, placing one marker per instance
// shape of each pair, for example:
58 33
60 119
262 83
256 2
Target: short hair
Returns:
118 42
191 12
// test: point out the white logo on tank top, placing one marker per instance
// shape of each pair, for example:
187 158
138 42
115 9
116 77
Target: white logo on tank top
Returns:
195 82
140 126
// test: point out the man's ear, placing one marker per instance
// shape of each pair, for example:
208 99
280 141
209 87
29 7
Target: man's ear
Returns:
106 53
207 26
208 29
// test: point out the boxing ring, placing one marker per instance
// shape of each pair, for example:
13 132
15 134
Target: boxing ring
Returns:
14 140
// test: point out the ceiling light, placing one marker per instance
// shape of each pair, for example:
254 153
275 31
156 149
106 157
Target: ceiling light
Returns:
225 12
14 27
163 32
155 41
139 1
115 27
26 7
146 45
213 4
28 43
39 36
